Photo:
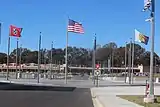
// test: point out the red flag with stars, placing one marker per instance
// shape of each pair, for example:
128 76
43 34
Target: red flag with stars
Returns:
15 31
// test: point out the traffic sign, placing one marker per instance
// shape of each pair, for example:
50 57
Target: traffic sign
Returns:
97 72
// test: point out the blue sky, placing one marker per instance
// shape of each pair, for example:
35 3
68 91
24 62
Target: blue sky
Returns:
111 20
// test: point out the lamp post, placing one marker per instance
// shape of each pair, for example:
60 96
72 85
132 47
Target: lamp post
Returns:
147 5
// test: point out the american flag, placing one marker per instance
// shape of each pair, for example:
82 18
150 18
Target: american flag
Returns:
75 27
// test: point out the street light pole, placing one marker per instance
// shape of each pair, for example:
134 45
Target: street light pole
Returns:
151 93
148 3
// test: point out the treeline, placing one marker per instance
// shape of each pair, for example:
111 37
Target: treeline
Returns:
82 56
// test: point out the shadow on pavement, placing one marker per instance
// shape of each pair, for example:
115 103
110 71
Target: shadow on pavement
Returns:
14 87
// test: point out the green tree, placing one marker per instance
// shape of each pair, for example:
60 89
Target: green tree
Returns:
3 58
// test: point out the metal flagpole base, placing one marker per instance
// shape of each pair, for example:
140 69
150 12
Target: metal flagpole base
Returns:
150 99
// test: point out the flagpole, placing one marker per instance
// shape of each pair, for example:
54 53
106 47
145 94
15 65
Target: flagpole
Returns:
16 57
8 58
66 57
39 57
20 59
125 61
51 59
66 53
132 60
112 60
94 60
129 62
45 61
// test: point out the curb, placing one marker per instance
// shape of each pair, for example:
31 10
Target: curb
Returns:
5 81
95 100
98 103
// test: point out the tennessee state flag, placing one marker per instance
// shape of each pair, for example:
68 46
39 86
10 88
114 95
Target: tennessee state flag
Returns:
15 31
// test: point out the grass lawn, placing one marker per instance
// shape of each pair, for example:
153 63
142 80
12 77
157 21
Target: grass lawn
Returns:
139 100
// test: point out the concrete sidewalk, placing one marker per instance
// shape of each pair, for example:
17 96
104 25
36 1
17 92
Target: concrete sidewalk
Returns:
113 101
106 96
